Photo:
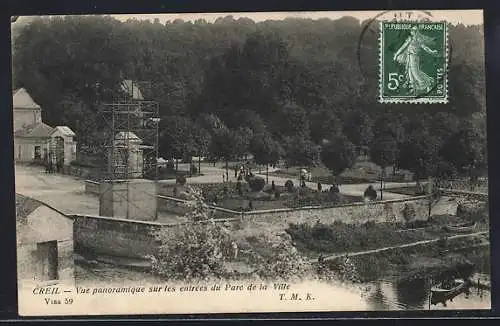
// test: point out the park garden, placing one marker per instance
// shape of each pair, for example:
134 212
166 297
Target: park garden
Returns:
237 88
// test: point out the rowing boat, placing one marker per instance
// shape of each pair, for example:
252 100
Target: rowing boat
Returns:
441 292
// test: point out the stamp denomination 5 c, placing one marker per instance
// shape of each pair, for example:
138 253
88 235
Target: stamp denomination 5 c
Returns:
413 62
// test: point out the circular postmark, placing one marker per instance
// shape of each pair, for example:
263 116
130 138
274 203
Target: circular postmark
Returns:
394 43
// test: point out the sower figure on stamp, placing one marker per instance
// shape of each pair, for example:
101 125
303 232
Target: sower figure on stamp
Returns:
409 55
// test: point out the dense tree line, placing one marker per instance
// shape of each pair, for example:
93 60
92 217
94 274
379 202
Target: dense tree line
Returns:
290 89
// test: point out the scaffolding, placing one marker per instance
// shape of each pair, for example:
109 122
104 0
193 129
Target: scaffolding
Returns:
129 141
130 138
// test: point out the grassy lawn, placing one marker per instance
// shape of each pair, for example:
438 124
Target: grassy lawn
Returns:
226 196
362 172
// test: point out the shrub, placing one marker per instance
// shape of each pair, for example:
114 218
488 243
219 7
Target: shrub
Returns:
268 189
256 183
192 252
289 185
214 193
334 189
370 193
442 242
180 179
307 197
408 212
280 260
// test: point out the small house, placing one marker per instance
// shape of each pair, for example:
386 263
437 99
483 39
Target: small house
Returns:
128 157
131 89
35 141
63 144
44 244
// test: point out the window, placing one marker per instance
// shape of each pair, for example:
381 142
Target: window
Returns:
38 154
48 260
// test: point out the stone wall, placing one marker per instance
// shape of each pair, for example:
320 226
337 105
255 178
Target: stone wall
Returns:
382 211
113 236
130 238
117 237
171 205
92 187
465 194
177 206
133 199
82 172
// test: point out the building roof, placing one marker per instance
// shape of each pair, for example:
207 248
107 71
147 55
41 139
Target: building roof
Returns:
130 136
132 89
21 99
65 130
25 206
39 130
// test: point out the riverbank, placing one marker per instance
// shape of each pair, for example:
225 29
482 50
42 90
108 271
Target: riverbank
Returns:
339 238
435 260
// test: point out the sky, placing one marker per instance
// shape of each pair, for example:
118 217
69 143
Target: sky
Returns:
466 17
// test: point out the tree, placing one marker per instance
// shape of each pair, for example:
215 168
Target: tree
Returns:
292 121
338 154
444 125
358 128
176 139
266 150
324 124
57 57
201 140
301 151
242 138
194 251
238 71
82 120
418 153
226 144
383 152
466 149
249 119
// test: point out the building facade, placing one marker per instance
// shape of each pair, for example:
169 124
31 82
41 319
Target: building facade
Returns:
44 244
35 141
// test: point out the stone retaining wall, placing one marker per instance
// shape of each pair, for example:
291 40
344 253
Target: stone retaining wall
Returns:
92 187
118 237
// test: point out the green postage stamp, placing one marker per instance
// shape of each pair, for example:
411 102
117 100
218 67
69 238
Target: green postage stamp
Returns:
413 62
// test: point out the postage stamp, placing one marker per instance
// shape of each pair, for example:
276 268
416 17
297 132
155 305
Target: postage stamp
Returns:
413 62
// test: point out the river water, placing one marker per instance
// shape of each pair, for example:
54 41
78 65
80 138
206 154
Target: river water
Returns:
415 295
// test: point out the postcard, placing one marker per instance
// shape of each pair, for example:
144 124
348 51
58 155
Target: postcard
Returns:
250 162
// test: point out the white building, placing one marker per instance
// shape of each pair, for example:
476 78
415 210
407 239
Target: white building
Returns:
44 244
35 141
